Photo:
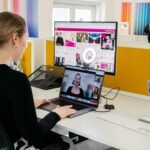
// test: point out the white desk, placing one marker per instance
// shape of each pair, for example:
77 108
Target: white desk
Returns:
101 131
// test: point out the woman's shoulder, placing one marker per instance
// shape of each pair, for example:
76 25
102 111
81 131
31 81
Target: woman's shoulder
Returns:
70 87
82 90
16 75
21 77
14 79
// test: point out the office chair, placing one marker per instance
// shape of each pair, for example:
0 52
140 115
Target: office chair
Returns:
5 142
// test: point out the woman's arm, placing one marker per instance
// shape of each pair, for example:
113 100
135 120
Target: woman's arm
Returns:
25 116
39 102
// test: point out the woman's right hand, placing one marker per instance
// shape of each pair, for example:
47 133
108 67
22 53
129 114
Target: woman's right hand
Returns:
64 111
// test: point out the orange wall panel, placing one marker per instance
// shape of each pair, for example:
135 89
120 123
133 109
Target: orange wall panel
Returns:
50 53
132 69
26 60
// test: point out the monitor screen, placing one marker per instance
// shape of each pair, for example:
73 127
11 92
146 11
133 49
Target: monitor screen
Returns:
72 39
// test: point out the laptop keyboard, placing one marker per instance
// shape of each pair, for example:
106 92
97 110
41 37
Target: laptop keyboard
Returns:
74 106
78 107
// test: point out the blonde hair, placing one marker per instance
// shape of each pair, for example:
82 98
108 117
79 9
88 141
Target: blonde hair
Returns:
10 23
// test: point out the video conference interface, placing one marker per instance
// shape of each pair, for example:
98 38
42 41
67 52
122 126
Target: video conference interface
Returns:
81 86
72 38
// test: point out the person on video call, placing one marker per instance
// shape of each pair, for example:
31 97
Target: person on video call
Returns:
89 91
75 90
95 93
17 109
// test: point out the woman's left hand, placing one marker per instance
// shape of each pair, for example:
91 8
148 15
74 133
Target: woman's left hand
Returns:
39 102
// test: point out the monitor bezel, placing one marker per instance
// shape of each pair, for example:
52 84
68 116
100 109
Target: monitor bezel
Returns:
116 32
75 68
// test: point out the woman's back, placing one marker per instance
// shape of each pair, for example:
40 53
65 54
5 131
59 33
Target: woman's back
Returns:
17 112
8 86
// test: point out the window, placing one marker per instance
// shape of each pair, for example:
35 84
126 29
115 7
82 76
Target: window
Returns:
83 15
73 12
60 14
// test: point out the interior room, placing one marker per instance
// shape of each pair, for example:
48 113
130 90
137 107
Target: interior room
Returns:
90 53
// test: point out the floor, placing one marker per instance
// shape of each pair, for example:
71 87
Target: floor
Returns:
90 145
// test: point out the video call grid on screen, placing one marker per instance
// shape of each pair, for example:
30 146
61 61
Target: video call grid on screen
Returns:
90 83
72 38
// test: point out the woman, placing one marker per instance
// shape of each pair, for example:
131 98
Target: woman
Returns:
95 93
17 111
75 90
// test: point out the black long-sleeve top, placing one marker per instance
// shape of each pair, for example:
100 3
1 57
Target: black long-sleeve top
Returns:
17 111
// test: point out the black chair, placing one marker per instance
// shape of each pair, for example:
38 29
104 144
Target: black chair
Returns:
5 142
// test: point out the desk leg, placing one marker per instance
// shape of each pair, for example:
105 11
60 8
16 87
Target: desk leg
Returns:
76 138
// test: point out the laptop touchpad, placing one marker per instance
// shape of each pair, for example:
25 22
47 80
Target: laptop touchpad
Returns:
49 107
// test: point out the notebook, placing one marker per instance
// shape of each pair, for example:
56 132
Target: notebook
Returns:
80 88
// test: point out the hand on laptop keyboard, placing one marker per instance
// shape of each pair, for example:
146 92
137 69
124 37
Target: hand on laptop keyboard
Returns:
39 102
64 111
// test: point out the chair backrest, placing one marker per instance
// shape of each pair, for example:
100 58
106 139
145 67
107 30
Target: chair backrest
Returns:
5 142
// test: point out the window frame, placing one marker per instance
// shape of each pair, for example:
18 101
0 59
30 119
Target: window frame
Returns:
73 7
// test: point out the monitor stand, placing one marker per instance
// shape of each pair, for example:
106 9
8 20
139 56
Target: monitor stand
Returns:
87 66
47 77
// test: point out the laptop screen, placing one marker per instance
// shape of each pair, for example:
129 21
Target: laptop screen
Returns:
82 85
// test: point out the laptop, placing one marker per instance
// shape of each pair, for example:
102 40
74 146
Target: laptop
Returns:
80 88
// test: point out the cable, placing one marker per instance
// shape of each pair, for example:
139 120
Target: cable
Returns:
115 88
116 94
107 110
108 106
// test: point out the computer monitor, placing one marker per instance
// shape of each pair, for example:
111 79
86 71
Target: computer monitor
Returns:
73 38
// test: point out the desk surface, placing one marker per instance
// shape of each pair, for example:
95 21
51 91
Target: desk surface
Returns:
90 126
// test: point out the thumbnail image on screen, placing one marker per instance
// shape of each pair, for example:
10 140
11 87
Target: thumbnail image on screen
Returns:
72 38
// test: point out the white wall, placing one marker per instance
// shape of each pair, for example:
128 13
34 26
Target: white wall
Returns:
37 53
22 8
106 10
1 5
45 18
112 10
